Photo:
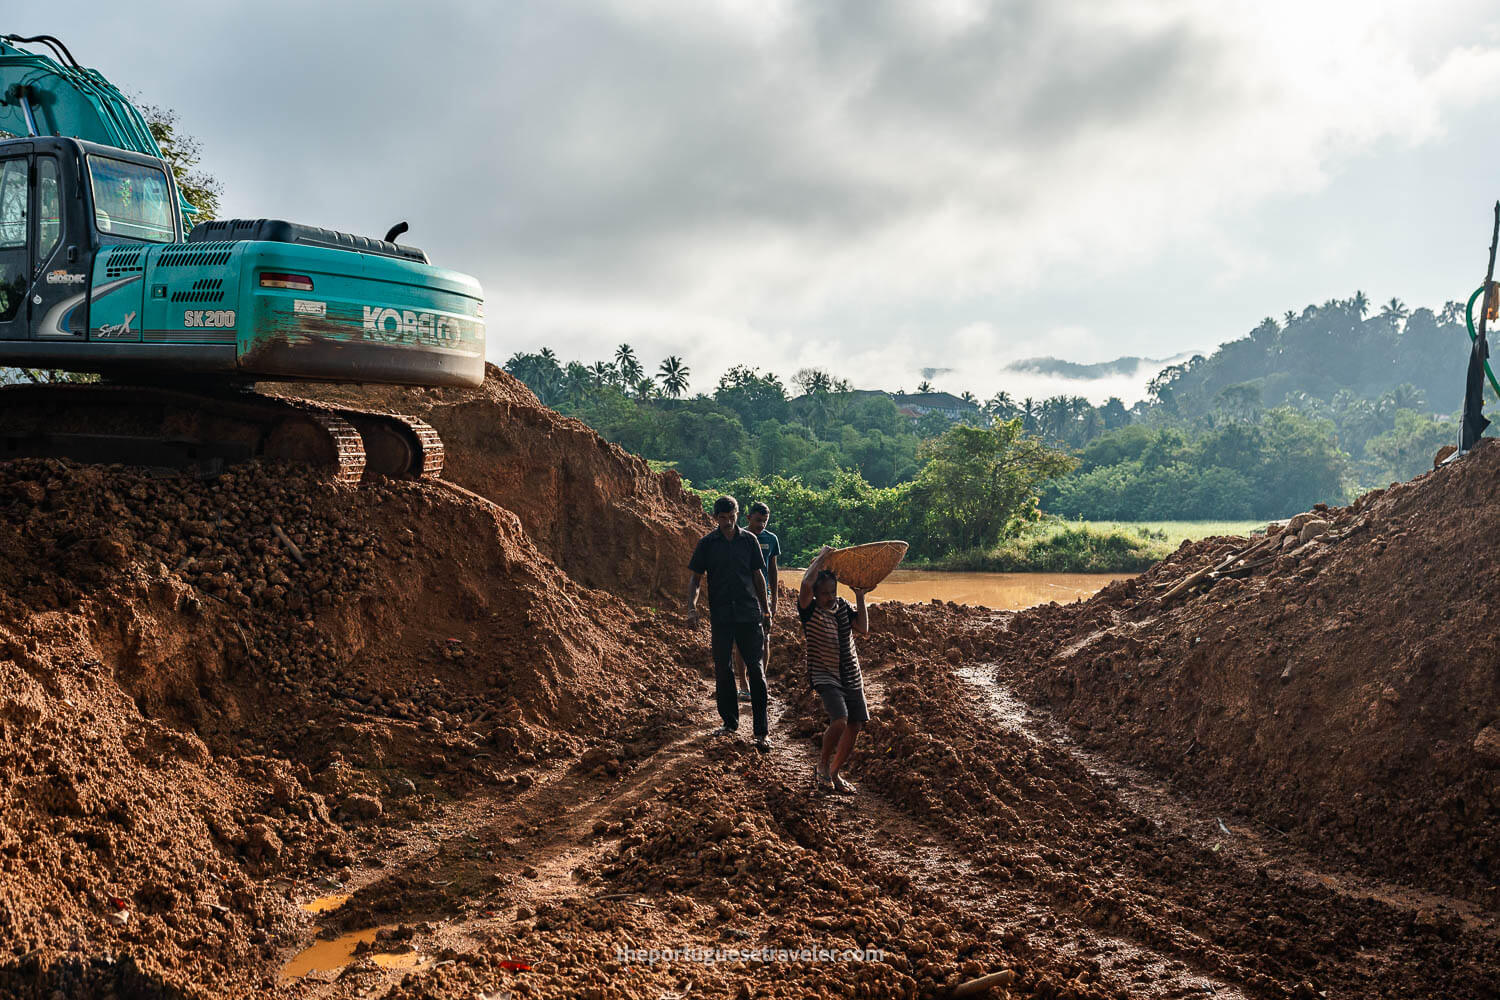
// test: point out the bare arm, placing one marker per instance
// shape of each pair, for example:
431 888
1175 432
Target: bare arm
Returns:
760 595
771 582
805 593
862 622
692 596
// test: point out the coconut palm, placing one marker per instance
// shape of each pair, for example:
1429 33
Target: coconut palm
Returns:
924 386
1001 406
629 367
1030 413
1394 312
602 373
577 382
674 376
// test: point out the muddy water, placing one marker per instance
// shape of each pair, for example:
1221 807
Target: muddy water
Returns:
1003 591
335 954
324 903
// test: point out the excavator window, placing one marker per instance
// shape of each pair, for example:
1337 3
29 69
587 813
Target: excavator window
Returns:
13 202
49 220
131 200
15 267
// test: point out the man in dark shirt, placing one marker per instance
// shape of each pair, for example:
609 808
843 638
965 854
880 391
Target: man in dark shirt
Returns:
737 607
756 520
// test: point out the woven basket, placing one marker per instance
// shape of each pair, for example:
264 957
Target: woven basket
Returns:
863 566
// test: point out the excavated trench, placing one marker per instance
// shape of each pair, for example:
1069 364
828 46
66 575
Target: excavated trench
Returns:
463 749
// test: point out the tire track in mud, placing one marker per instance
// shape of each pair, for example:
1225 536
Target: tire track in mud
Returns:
936 864
1239 842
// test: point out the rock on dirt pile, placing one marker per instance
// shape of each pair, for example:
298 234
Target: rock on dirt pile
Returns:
1346 690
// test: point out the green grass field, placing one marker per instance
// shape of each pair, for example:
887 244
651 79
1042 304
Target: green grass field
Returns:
1058 546
1173 531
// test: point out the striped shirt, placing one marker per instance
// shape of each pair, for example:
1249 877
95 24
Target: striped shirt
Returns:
831 658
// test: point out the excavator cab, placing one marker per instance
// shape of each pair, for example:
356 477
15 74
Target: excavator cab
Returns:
62 201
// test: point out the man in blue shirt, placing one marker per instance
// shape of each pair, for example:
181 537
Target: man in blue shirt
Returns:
737 608
770 550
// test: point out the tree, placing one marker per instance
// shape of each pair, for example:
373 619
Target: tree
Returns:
628 365
1001 406
674 376
811 380
182 152
602 373
1394 312
924 386
577 383
540 372
755 397
979 483
1407 449
1239 402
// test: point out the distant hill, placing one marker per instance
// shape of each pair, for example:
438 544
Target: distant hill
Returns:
1127 367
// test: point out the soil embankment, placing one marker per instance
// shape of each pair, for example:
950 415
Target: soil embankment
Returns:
1346 692
468 712
591 507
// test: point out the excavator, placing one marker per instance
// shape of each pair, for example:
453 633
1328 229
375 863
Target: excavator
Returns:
102 271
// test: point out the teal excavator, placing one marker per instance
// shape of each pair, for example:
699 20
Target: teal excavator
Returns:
102 272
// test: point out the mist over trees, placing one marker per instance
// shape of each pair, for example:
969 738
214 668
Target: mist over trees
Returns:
1312 407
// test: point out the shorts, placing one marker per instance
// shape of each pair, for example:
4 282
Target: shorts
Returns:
842 704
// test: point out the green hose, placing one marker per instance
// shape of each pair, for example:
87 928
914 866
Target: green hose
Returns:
1474 335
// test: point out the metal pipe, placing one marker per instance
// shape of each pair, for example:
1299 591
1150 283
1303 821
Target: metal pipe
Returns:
30 118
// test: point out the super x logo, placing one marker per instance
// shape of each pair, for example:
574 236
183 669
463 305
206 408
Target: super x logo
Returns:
397 325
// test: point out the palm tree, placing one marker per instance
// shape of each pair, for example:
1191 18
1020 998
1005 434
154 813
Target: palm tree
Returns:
1360 304
548 354
674 376
924 386
602 373
1030 412
970 398
577 383
645 388
1394 312
629 367
1001 406
1404 397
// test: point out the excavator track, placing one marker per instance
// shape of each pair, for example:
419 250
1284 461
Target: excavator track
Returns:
203 432
397 446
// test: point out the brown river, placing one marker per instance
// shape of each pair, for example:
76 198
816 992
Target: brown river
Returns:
1003 591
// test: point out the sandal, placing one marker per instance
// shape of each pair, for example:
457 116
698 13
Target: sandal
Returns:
821 783
842 787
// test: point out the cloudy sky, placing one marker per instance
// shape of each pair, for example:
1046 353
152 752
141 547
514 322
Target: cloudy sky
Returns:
873 187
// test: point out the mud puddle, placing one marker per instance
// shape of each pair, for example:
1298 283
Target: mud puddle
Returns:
335 954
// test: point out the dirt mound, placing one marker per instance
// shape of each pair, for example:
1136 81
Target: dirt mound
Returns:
1346 690
596 510
210 684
